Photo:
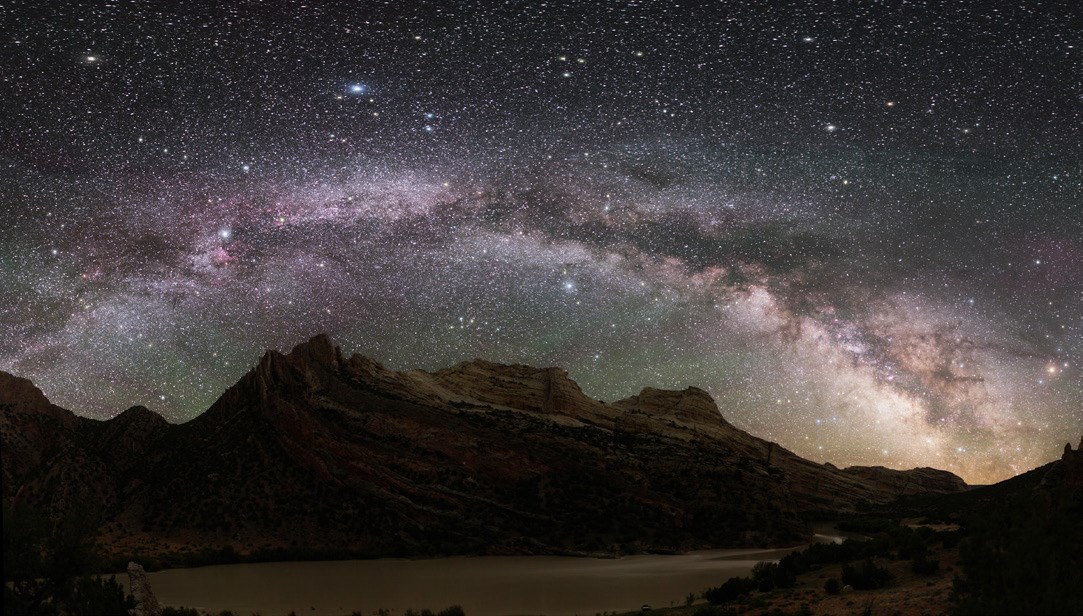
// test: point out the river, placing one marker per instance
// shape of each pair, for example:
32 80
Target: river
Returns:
482 585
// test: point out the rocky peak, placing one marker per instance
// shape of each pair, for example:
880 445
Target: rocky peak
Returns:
140 415
517 386
20 392
1067 472
691 405
318 350
308 367
19 395
128 435
1073 463
305 366
136 422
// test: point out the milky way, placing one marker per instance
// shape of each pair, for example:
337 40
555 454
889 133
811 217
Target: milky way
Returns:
858 226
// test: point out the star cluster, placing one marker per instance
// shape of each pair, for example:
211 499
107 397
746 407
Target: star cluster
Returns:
857 226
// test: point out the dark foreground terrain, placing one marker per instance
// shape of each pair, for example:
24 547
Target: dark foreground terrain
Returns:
1009 548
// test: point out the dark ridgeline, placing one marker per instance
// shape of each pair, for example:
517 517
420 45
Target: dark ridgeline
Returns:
1024 549
315 451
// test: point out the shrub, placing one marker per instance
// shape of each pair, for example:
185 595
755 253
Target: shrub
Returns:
923 565
714 610
99 596
764 572
832 586
180 611
865 576
950 538
729 591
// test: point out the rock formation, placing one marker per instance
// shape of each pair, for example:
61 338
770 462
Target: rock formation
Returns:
313 449
145 602
1067 472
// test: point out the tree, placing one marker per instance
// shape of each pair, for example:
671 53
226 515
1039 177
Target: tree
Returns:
48 568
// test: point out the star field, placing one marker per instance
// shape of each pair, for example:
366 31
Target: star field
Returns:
857 226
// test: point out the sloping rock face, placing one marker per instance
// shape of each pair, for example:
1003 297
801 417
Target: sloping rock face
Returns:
314 449
38 439
907 483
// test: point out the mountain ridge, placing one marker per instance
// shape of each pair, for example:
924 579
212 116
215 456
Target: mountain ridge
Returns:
314 448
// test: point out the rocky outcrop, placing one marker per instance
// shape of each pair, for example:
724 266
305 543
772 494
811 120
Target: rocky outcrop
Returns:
906 483
312 448
1065 473
1073 466
145 602
691 406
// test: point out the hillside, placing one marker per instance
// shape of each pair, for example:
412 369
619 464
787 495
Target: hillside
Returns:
315 450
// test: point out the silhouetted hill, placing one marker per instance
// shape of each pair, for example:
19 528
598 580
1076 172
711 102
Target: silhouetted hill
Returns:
316 450
1022 551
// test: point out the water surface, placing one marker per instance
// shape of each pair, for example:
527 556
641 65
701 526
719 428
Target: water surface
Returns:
483 585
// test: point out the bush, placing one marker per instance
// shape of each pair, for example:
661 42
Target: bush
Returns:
923 565
99 596
763 576
832 586
767 576
713 610
729 591
866 576
179 611
950 538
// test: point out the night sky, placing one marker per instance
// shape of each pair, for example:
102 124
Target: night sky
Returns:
859 226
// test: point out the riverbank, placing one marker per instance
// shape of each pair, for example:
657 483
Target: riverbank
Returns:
909 594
